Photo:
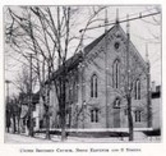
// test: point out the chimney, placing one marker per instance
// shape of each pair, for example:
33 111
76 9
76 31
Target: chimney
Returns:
153 86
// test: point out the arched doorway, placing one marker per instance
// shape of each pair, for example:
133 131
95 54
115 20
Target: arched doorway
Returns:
116 113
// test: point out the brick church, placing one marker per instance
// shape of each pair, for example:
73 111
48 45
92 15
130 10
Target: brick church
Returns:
96 85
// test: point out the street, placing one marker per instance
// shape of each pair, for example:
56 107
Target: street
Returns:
20 138
17 138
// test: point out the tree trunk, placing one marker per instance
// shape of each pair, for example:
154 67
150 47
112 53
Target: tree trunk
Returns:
31 133
47 125
31 129
31 126
18 124
8 121
63 132
63 103
14 124
130 119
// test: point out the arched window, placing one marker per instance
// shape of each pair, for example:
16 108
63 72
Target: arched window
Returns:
116 71
137 89
92 116
75 90
70 93
117 103
94 86
67 90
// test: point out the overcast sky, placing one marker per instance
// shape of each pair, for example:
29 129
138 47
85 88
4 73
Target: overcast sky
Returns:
141 32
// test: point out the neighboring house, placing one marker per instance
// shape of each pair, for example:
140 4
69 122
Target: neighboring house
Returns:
24 119
156 107
36 112
24 122
96 84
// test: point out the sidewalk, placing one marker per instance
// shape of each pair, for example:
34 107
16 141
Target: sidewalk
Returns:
21 138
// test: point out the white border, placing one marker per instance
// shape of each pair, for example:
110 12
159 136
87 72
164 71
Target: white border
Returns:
151 149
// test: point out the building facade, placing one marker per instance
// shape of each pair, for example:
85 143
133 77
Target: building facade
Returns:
156 107
24 122
98 80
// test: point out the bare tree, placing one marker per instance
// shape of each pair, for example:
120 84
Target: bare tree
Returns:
46 33
22 85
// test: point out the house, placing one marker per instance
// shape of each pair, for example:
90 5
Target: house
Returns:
156 106
96 83
36 111
24 121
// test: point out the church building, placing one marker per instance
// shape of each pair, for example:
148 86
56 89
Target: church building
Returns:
98 80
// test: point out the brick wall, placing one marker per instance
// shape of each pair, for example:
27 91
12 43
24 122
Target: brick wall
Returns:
94 63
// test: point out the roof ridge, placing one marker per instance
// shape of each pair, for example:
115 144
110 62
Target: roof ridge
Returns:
90 46
74 60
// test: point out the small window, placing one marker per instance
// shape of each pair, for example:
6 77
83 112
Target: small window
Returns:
137 89
117 103
41 124
138 117
117 45
94 115
116 73
94 86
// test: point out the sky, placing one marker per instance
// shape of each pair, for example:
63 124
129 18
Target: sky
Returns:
142 32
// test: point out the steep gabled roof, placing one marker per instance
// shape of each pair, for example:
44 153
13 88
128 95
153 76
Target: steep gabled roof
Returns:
77 58
69 64
74 60
135 51
90 46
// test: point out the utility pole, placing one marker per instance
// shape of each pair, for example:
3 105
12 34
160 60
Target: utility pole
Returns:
30 101
141 16
128 85
82 67
149 105
47 105
106 70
